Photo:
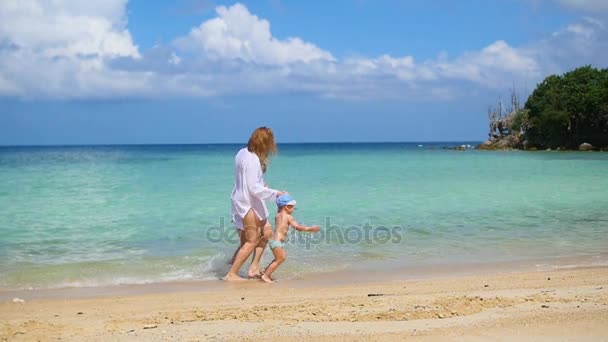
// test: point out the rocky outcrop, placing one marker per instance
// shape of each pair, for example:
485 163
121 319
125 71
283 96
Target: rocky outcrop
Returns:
511 142
507 142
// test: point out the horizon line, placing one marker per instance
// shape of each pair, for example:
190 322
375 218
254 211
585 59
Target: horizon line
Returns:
244 143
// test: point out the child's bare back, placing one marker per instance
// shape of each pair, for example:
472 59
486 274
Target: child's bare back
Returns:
282 222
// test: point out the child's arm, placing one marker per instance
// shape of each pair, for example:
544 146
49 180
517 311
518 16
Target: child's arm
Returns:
302 228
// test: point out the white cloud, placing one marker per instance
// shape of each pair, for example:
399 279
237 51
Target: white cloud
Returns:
492 66
67 28
237 34
580 43
60 48
174 59
68 49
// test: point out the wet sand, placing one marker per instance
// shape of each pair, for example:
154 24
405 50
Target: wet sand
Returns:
567 304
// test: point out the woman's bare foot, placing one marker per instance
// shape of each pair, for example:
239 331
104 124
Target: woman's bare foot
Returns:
233 277
266 279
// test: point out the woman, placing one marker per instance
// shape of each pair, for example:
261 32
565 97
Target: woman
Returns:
249 211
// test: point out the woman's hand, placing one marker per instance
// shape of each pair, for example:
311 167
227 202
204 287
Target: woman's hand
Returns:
281 193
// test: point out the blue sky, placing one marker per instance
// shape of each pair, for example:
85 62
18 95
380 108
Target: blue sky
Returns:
202 71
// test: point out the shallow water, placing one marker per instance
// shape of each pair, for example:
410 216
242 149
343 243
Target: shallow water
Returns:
92 216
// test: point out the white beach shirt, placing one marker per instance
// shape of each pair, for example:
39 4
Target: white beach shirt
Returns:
250 191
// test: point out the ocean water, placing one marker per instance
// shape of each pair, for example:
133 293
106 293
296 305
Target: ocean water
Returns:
103 215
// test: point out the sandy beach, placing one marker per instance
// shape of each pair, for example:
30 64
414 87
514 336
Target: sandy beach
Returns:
567 304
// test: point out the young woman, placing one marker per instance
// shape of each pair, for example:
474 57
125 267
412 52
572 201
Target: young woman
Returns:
249 211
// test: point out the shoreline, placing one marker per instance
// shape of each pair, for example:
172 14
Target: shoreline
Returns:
566 304
381 271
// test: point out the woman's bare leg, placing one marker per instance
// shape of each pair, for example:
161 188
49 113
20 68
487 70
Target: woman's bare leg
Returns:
254 269
252 235
241 233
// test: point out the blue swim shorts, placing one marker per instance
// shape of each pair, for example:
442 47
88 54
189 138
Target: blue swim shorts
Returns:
275 243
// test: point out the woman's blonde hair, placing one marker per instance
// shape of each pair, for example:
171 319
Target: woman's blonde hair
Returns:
262 143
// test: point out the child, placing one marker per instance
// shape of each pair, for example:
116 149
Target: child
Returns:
286 205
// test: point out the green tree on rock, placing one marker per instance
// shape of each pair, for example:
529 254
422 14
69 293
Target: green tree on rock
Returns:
567 110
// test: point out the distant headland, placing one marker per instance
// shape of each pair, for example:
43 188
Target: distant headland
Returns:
564 112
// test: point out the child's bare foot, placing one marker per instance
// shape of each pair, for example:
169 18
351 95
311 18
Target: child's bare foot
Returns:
254 274
266 279
233 277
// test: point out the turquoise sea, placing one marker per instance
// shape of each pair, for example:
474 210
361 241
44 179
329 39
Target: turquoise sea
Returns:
103 215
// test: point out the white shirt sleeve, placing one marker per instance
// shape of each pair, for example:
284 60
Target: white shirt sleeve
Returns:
255 181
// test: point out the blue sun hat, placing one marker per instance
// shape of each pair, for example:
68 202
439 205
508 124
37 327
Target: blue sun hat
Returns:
284 200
